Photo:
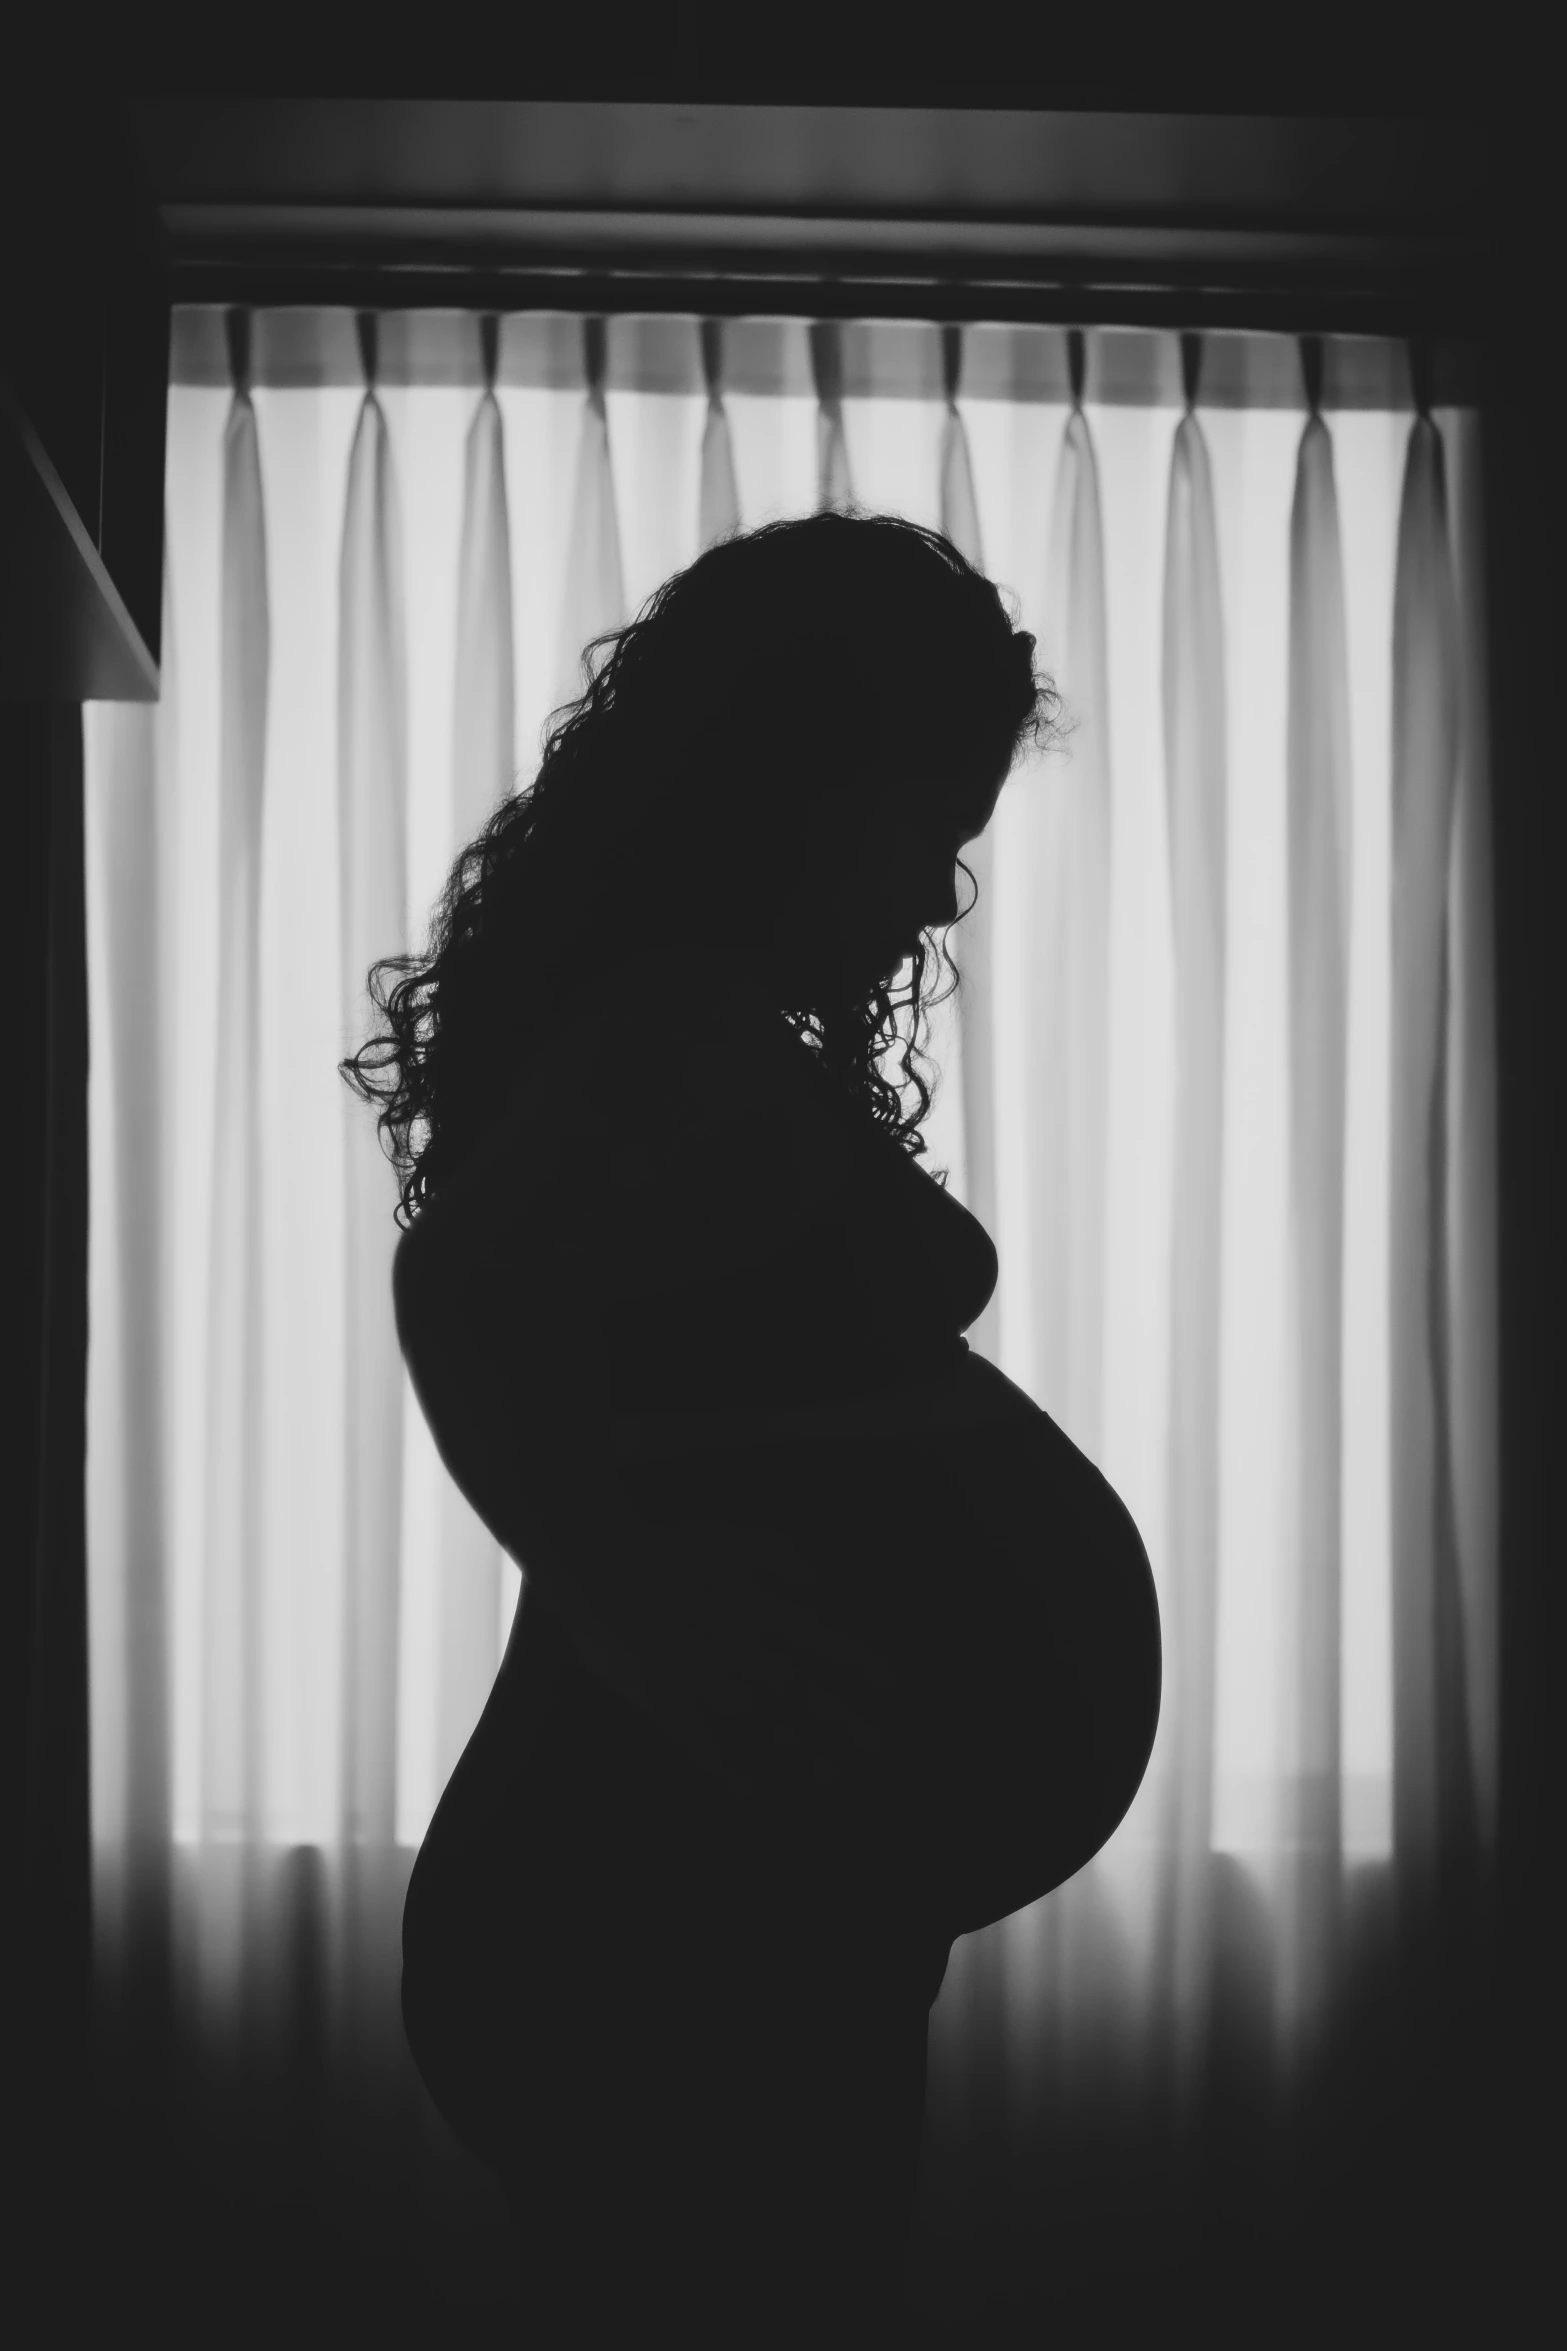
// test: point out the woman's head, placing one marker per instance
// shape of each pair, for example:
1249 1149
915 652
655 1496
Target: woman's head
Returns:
765 784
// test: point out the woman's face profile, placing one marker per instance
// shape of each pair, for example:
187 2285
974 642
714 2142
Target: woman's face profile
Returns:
866 902
912 849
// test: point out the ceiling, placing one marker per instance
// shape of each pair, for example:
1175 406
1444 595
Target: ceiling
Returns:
1344 58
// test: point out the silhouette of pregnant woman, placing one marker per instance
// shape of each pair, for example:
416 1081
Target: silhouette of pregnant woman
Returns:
831 1646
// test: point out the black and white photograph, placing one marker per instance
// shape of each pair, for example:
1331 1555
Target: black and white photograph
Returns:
784 1287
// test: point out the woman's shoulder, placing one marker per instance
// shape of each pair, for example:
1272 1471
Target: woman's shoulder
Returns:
670 1149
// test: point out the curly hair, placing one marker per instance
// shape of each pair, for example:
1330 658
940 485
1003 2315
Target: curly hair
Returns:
755 703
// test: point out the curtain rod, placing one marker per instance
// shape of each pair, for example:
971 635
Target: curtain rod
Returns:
1058 272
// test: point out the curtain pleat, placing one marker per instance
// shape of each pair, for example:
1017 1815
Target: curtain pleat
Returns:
346 1919
232 1660
1070 1010
1054 1948
1319 884
1435 1822
372 800
594 598
833 484
718 501
973 948
1195 767
472 1563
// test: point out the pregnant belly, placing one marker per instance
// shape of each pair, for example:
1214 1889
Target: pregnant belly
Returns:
578 1868
960 1534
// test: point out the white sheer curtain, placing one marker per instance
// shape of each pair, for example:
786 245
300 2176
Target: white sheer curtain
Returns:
1219 1078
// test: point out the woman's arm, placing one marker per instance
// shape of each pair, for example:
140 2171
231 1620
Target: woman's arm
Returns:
501 1293
509 1375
